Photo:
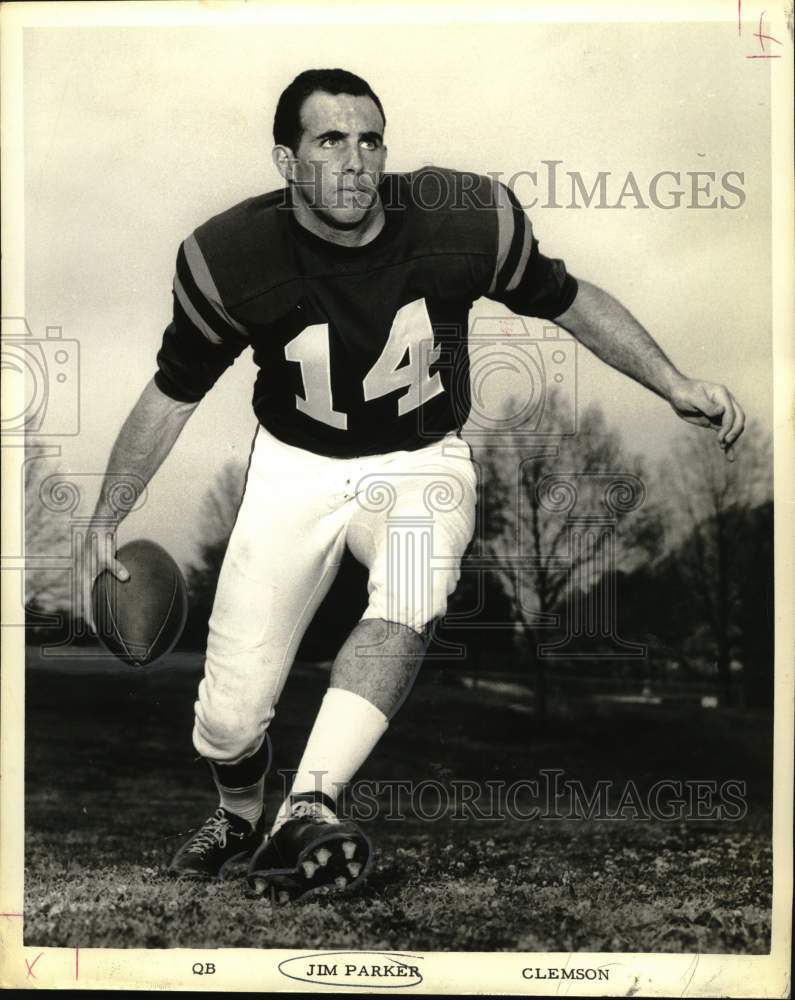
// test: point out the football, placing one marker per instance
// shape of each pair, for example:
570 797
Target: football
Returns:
141 619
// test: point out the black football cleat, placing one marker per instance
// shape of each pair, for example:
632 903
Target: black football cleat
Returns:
222 840
313 851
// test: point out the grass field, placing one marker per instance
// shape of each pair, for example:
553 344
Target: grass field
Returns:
113 787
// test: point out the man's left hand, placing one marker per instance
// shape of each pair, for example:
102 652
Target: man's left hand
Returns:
707 404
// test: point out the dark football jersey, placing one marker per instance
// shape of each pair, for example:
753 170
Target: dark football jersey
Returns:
360 350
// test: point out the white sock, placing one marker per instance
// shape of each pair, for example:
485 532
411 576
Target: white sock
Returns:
345 733
244 802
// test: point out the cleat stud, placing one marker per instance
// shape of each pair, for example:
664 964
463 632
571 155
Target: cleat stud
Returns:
348 849
340 881
284 897
322 855
310 867
260 885
354 868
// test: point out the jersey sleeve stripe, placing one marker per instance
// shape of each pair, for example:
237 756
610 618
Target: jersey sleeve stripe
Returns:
524 256
514 222
193 314
212 319
511 261
205 283
505 232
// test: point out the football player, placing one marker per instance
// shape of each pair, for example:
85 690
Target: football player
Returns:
352 287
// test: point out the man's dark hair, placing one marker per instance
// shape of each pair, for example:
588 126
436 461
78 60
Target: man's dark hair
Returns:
287 128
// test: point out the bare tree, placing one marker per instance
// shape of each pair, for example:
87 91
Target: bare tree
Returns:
532 490
216 519
221 502
708 500
47 540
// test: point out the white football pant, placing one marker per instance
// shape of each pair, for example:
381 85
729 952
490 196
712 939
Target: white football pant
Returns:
406 515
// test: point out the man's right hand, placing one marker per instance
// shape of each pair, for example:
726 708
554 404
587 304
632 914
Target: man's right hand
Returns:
99 554
146 437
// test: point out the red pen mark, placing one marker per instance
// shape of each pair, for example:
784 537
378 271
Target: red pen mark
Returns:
77 963
10 914
760 34
31 974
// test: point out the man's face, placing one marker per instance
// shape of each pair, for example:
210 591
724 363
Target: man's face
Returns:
340 157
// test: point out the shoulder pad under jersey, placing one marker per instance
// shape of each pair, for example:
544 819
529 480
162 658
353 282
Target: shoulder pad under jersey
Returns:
247 249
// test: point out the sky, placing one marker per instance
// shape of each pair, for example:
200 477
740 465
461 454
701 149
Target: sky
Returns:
133 136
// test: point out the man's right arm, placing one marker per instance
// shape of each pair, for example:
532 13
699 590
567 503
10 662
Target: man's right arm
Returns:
198 346
145 439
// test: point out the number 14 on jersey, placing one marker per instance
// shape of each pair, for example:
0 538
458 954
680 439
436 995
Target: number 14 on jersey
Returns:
411 329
